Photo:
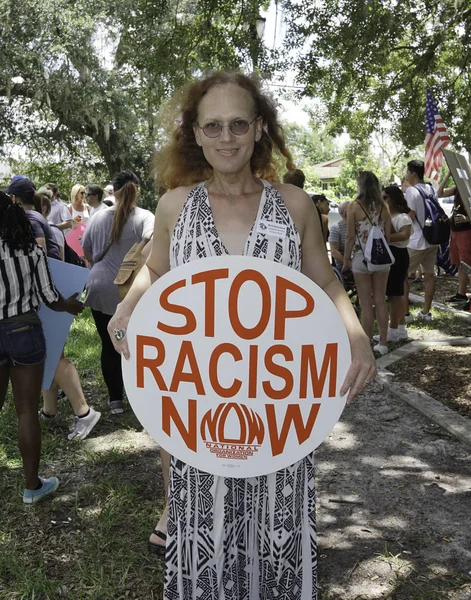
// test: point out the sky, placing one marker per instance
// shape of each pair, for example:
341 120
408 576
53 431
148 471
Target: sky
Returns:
272 38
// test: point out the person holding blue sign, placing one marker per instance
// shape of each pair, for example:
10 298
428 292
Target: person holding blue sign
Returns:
231 538
25 281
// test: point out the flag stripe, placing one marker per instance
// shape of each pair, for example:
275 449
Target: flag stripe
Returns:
436 138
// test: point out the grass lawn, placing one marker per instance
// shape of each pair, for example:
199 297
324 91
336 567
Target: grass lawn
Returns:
90 539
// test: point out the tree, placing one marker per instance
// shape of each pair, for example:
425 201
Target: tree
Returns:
309 145
371 61
358 157
95 73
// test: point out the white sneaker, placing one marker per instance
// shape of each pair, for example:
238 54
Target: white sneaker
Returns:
391 337
424 316
410 318
381 349
83 426
402 335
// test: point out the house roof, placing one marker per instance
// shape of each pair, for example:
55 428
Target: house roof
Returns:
329 169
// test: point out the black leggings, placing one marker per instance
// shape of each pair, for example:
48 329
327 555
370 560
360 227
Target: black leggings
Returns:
110 359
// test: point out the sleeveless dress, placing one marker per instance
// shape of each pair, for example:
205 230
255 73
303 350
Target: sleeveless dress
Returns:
240 539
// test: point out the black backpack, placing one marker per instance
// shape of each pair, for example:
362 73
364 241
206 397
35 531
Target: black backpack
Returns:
436 226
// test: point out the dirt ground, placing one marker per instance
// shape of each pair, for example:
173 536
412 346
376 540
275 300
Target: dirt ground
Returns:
443 373
446 287
394 506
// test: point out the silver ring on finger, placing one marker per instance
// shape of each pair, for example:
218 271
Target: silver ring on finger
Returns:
119 334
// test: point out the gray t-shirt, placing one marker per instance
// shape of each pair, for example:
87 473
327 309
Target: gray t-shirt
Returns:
338 235
102 293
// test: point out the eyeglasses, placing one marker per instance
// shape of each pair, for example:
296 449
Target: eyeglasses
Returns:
237 127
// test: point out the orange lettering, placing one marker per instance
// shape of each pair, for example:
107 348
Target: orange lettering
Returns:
152 364
279 371
256 426
210 422
254 332
292 416
170 413
232 390
222 425
308 363
253 371
281 313
190 320
209 280
193 376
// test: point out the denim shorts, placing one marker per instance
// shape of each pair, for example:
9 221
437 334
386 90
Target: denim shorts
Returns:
22 343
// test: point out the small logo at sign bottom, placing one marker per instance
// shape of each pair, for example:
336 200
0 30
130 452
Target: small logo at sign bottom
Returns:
239 445
234 451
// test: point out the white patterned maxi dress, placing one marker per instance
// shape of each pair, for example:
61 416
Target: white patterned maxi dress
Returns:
240 539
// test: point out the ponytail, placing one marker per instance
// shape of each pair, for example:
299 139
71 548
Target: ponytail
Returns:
125 191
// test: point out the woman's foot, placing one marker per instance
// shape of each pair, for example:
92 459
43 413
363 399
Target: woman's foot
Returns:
157 540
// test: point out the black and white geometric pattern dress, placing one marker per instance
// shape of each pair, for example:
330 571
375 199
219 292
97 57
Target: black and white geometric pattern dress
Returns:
240 539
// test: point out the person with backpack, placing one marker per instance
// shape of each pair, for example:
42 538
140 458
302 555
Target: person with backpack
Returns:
427 217
367 212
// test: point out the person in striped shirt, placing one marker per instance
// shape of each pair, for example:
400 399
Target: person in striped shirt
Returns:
25 281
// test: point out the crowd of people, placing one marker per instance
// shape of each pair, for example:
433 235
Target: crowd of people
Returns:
33 227
220 169
400 213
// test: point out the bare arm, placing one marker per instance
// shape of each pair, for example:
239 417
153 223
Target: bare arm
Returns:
325 227
65 224
351 234
335 251
42 242
387 222
442 191
402 235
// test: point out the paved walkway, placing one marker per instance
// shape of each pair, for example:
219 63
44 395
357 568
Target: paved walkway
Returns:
394 498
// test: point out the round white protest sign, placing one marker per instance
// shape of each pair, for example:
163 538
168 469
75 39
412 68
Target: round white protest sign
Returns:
236 365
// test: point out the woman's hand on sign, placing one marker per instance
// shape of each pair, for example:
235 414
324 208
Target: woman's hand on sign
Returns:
362 371
117 330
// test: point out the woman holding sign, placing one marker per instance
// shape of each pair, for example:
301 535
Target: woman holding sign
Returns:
227 537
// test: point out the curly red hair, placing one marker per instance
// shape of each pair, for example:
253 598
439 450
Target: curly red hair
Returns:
182 162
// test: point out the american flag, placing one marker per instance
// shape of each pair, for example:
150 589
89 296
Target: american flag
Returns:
436 138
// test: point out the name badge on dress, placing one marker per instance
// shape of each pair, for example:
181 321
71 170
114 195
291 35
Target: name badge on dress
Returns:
273 229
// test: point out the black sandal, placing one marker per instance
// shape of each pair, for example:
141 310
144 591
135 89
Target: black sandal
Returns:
157 548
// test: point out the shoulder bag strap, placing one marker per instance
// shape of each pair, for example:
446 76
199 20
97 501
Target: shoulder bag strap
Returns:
367 215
